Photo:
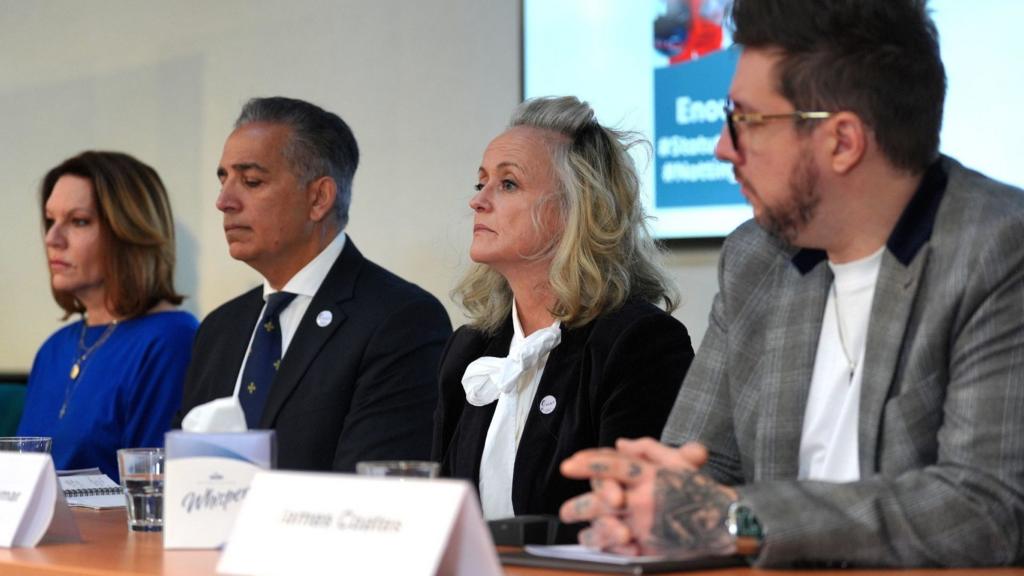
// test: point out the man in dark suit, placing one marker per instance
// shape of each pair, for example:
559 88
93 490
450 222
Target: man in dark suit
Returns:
342 357
858 398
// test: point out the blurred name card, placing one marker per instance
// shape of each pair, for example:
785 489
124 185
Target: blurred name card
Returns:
318 523
31 506
207 478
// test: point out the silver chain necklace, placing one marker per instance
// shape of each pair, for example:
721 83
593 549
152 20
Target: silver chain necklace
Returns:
842 337
82 354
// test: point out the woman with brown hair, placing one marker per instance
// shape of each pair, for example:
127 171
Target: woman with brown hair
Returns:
114 378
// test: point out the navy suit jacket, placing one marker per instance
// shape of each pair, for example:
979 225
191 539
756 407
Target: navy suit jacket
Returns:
614 377
361 388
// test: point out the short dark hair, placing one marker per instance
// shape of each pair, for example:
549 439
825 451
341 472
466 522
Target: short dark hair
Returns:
136 229
876 58
320 144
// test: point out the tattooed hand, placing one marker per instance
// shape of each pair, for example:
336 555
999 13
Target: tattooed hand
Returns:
689 515
649 498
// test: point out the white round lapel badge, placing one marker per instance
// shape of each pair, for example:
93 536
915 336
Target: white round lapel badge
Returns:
324 318
547 404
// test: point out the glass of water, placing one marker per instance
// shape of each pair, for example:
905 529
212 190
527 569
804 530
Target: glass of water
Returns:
25 444
142 478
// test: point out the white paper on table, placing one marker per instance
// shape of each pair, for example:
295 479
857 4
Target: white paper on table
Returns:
577 552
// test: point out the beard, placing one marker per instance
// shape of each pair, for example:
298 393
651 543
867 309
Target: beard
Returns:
788 219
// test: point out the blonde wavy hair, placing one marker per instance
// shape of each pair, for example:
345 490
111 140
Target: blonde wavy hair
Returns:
604 255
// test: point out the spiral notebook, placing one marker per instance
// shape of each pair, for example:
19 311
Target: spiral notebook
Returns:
90 488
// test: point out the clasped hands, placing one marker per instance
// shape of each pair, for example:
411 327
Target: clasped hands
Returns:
647 498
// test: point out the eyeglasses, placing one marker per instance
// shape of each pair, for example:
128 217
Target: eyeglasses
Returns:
732 118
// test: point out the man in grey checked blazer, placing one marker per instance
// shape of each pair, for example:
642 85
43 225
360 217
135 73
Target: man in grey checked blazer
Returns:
833 130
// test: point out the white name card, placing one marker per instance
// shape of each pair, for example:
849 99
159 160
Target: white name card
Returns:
316 523
207 477
31 506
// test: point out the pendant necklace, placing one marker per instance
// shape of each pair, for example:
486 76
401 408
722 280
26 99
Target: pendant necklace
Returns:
82 354
842 339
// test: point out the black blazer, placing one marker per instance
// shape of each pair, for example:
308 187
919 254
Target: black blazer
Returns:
361 388
615 377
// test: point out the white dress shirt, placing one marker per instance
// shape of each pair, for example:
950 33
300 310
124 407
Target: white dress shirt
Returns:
497 465
304 284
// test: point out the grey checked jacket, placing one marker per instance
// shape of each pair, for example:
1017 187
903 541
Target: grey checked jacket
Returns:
941 427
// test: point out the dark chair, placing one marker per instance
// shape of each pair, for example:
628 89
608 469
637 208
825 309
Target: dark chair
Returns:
12 402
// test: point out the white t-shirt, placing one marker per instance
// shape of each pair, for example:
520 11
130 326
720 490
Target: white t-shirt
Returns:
828 442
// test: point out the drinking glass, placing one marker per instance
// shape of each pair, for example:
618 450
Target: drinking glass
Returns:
25 444
401 468
142 478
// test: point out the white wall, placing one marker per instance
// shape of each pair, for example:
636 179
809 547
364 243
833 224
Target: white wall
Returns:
424 85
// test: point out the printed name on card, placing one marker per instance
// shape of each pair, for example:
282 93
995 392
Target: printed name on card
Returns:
318 523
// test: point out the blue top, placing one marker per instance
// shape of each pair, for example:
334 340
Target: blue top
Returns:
126 393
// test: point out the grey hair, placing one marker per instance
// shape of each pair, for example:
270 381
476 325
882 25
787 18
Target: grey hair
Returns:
605 254
321 144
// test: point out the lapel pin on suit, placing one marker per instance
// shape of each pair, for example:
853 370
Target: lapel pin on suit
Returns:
547 404
324 318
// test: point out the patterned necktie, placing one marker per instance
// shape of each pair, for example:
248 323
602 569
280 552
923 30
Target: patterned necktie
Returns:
263 360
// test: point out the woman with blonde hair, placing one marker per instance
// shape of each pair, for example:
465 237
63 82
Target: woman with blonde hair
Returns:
114 378
567 347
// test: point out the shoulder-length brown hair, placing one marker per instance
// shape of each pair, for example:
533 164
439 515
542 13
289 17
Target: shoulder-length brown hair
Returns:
136 229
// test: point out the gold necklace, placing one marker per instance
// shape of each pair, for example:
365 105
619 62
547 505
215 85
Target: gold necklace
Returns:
82 354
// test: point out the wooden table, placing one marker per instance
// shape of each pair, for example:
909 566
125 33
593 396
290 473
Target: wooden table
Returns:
109 549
